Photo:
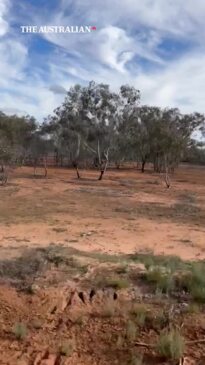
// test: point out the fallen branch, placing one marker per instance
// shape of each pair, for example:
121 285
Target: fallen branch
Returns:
202 340
143 344
151 345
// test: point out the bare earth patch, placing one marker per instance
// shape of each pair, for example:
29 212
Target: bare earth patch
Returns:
125 212
79 279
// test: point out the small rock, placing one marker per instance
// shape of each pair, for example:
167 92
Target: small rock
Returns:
35 288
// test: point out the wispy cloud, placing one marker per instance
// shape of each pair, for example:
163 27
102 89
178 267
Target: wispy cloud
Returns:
157 46
4 26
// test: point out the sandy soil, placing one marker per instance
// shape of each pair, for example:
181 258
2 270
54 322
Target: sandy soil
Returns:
126 212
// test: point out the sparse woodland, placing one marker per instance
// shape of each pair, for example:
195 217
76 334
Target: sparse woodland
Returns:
88 270
96 126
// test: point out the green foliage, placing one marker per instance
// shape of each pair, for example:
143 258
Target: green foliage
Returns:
160 279
20 331
16 134
167 274
198 293
171 263
117 283
136 360
140 313
193 281
171 345
97 125
131 331
193 308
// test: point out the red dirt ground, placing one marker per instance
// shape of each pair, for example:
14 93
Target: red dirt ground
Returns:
127 212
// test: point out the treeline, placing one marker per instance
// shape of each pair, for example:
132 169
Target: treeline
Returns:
97 126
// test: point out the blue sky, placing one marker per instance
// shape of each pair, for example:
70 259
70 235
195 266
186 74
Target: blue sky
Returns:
155 45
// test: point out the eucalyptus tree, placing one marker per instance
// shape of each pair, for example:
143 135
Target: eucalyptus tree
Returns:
15 136
172 136
88 122
136 128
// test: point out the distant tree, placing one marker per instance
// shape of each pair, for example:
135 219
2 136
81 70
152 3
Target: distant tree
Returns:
87 122
95 125
15 136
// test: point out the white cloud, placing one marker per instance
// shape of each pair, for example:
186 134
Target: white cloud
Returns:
124 49
12 61
4 8
181 84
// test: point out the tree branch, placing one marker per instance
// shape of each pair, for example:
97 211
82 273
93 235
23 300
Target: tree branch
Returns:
151 345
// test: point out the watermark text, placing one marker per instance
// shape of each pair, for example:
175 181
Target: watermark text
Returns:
57 29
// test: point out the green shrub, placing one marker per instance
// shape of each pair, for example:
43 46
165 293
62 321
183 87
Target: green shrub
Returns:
117 283
198 293
171 345
131 331
20 331
159 321
193 308
136 360
160 279
140 313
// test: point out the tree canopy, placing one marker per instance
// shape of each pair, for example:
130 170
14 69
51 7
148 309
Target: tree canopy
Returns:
95 125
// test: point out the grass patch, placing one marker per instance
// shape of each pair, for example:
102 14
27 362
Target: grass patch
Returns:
160 279
169 274
117 283
140 313
131 331
182 211
114 282
171 345
172 263
20 331
159 321
198 293
66 349
187 197
193 308
136 360
193 281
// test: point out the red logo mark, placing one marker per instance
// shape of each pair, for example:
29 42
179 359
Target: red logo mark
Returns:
94 28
